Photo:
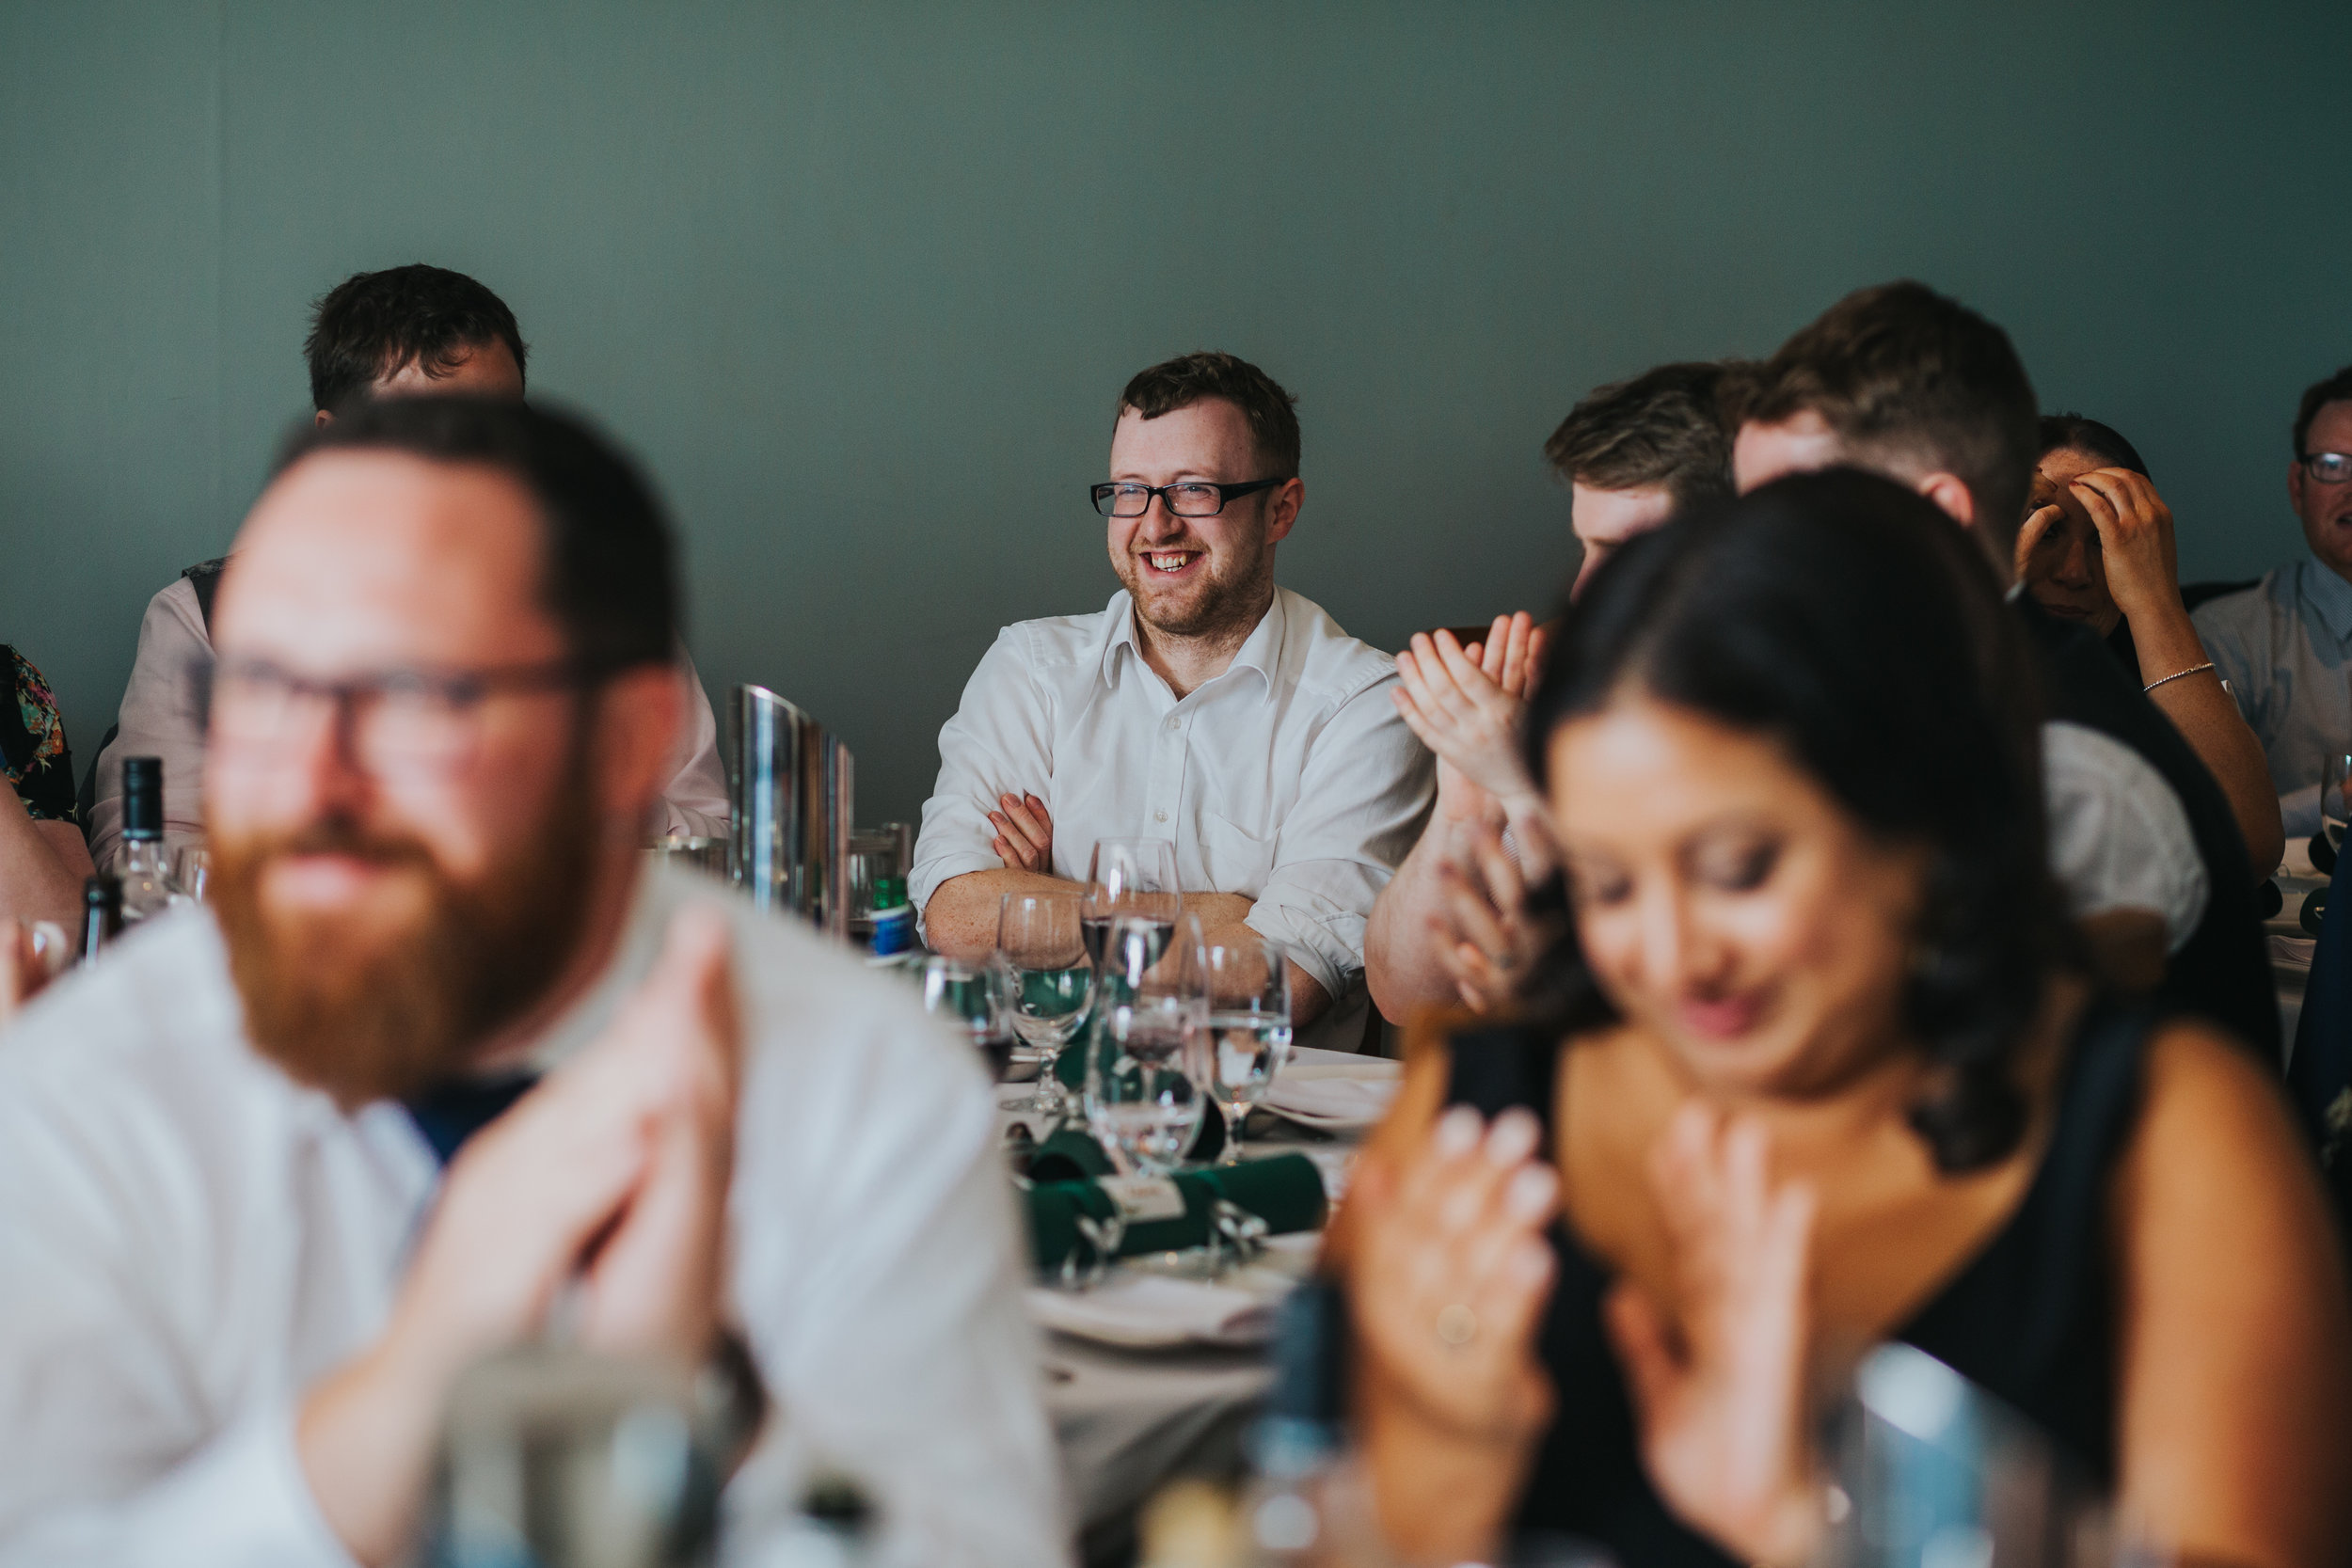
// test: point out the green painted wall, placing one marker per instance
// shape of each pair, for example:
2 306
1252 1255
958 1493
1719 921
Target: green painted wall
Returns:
860 281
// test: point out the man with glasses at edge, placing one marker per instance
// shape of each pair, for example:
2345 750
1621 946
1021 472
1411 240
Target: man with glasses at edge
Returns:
2286 644
1203 706
447 1065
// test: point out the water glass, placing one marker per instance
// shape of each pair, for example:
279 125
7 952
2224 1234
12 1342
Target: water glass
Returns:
968 1000
191 871
1247 1035
1131 878
1142 1100
1045 982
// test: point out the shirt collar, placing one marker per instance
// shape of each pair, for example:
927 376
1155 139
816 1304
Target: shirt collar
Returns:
2330 595
1260 651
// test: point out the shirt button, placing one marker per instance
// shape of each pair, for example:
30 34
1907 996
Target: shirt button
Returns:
1159 817
1175 723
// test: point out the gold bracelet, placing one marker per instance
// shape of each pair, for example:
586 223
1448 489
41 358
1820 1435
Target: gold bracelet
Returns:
2192 670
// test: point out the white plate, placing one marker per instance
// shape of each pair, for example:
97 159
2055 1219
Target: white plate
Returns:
1334 1092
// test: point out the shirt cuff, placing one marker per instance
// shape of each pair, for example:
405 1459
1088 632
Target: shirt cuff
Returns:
927 876
243 1499
1327 955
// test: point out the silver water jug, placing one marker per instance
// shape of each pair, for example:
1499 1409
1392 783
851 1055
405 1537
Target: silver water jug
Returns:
790 792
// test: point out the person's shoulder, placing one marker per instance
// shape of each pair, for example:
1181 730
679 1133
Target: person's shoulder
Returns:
1062 640
2214 1119
817 998
1331 663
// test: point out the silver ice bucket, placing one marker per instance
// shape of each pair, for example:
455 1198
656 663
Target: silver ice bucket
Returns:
789 788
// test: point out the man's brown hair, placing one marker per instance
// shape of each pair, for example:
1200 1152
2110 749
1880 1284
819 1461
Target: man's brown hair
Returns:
1663 427
1190 378
2318 395
1907 377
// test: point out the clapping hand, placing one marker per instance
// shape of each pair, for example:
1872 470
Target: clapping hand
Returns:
1454 1274
1485 936
1024 833
1465 703
1719 1386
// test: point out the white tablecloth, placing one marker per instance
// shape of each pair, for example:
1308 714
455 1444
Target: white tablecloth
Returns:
1127 1420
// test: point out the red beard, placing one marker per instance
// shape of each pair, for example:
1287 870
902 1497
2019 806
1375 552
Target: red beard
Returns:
379 1009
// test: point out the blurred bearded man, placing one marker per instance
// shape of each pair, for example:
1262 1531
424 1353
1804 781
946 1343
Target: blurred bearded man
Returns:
1204 706
275 1172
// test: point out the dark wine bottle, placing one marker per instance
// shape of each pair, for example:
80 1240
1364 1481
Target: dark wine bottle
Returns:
102 915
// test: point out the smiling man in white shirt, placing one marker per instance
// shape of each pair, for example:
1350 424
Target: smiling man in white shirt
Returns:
1204 705
443 1047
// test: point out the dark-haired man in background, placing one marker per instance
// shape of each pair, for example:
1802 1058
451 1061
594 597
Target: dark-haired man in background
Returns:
1203 706
1631 453
2286 644
446 1048
402 332
1904 382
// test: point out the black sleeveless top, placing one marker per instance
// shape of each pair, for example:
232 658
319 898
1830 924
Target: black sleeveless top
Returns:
2029 1317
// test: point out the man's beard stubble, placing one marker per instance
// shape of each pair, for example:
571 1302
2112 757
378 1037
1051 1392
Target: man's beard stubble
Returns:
367 1016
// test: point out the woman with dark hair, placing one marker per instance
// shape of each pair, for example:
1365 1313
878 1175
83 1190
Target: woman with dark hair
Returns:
1818 1067
2097 548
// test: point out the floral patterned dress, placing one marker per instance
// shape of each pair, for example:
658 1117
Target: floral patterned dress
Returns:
33 750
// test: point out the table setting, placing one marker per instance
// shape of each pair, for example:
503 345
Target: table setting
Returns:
1175 1153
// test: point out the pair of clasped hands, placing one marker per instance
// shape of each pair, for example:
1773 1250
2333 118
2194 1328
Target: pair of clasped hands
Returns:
605 1186
1452 1271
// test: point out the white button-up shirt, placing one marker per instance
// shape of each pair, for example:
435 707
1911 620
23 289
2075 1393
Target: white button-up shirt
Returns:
2120 837
2285 648
159 719
1288 779
189 1239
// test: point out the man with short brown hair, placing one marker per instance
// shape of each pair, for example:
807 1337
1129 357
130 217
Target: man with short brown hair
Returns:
1203 706
1633 451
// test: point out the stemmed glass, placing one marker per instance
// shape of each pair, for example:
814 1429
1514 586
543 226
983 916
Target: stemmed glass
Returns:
968 1000
1045 982
1247 1037
1131 878
1142 1101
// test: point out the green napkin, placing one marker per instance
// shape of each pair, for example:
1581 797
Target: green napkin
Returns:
1286 1192
1072 1154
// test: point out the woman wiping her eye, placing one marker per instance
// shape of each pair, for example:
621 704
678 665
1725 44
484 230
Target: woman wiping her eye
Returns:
1820 1068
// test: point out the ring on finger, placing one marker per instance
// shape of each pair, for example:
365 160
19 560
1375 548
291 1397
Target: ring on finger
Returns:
1458 1325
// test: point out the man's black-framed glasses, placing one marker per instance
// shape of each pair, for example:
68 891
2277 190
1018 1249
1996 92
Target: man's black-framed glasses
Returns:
1191 499
397 721
2328 468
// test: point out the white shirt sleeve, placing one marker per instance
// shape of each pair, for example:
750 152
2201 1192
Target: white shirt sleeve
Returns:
112 1450
1365 793
694 803
160 718
888 1319
999 742
2119 836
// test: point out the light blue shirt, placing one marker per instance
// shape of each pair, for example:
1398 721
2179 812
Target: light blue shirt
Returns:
2285 648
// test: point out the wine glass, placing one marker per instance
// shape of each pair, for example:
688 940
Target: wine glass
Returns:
1142 1101
1132 878
966 999
1247 1037
1045 983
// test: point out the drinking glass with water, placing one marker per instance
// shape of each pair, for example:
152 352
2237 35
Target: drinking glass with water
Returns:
967 999
1142 1100
1046 981
1247 1037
